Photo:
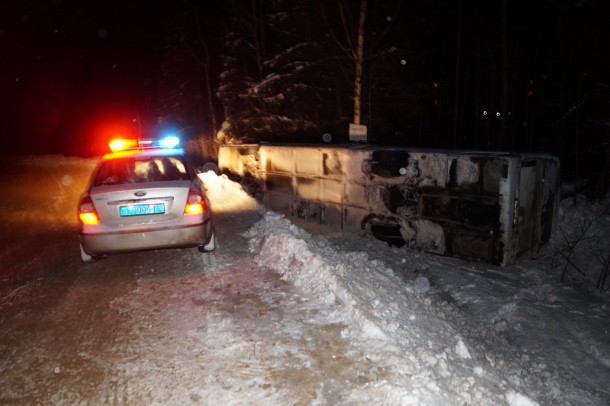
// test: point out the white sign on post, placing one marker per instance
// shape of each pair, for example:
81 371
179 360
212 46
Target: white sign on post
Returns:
357 132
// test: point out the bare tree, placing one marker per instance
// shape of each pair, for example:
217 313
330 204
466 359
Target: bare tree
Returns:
351 43
358 63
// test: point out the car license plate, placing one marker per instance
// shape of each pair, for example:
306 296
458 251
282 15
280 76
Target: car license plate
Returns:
141 209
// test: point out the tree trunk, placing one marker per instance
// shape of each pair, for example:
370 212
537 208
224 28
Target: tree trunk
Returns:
358 64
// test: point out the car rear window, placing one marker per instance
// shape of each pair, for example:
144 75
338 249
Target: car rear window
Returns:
137 170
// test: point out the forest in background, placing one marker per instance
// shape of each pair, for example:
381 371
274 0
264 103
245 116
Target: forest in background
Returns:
507 75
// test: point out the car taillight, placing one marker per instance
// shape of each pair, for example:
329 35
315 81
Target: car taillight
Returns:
86 211
195 204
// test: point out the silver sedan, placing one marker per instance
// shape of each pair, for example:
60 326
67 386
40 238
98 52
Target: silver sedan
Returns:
144 199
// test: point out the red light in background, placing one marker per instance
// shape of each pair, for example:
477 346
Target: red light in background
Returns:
530 91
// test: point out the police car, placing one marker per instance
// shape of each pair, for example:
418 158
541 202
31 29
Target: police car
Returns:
144 195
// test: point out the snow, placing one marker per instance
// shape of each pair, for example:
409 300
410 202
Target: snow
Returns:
445 330
311 315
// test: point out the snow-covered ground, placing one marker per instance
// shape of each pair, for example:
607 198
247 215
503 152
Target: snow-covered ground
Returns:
301 314
445 331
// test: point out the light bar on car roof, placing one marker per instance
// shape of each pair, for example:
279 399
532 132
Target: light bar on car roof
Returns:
123 144
171 141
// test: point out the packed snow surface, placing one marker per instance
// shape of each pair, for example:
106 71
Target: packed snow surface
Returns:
290 312
443 330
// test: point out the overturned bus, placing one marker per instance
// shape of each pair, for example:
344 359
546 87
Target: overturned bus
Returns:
488 206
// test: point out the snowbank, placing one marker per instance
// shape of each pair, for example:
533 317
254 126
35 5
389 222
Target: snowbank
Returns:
425 359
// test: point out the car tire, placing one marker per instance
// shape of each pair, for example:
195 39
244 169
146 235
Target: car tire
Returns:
210 246
86 257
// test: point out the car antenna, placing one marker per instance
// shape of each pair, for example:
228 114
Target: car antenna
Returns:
139 127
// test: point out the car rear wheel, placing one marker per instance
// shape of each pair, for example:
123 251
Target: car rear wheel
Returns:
86 257
210 246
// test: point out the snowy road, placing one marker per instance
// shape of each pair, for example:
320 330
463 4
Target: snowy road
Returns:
170 327
276 316
163 327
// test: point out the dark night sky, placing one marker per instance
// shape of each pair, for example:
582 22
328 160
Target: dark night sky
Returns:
71 67
82 70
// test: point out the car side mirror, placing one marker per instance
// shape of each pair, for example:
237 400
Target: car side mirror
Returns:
207 167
